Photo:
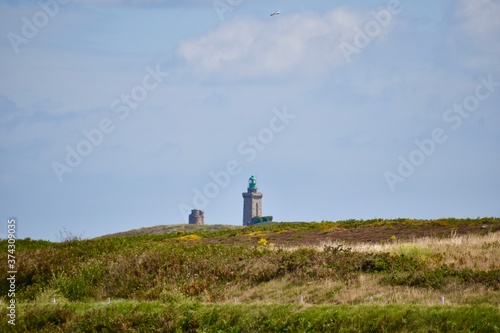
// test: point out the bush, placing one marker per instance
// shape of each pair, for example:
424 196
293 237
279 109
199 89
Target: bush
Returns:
439 278
260 219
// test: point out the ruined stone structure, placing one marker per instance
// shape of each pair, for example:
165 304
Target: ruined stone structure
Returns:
252 202
197 217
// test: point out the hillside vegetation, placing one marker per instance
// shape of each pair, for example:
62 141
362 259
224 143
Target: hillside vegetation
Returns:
377 275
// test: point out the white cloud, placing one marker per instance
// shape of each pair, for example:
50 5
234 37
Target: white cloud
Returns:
475 37
249 48
480 17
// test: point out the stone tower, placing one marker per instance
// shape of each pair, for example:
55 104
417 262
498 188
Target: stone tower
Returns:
197 217
252 202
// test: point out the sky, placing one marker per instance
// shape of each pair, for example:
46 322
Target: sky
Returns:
123 114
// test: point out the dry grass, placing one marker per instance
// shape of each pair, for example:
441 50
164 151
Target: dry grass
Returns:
366 291
480 252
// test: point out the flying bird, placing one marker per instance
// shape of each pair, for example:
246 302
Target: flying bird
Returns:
275 13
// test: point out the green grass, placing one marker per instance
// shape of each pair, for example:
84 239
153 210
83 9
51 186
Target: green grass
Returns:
131 316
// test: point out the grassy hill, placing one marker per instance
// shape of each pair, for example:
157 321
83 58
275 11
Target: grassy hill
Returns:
378 275
161 229
300 233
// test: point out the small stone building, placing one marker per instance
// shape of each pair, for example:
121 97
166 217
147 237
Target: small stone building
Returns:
197 217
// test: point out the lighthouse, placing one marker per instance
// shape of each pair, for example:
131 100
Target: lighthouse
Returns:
252 202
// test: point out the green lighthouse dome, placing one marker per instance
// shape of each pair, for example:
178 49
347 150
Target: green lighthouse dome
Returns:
252 183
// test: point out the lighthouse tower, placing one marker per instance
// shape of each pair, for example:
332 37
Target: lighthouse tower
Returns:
252 202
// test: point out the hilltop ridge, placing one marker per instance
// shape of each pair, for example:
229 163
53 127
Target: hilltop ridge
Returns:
161 229
300 233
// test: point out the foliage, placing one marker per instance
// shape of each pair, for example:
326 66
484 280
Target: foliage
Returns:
262 243
133 316
189 238
440 278
181 281
261 219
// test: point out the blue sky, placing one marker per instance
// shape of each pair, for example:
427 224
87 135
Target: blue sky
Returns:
116 115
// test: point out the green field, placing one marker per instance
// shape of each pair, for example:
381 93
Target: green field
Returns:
349 276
